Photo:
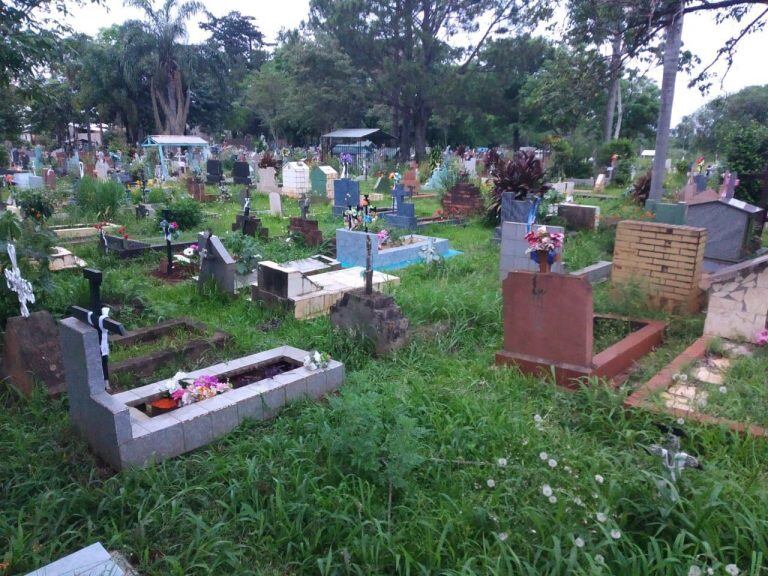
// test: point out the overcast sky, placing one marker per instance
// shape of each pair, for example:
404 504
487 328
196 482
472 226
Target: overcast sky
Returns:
701 35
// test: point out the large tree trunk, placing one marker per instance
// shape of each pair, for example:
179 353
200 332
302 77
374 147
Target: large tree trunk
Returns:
421 119
406 130
614 86
671 59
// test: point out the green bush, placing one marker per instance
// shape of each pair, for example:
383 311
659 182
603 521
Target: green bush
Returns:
156 196
623 147
101 198
35 203
185 212
623 173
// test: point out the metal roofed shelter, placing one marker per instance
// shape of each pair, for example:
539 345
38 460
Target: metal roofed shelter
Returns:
161 141
355 141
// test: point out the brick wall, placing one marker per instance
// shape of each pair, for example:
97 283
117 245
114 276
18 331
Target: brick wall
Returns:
665 260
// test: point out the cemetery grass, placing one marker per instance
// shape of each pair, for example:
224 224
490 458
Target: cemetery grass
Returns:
430 461
744 397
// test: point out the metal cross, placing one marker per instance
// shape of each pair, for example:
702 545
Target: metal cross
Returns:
16 283
98 317
674 460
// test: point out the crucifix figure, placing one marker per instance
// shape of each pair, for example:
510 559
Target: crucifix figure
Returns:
304 206
246 212
98 317
368 266
674 460
168 232
16 283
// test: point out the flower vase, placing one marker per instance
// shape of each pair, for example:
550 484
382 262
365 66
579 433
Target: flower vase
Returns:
162 405
542 257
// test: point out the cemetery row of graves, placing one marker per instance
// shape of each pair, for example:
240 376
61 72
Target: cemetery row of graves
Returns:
327 374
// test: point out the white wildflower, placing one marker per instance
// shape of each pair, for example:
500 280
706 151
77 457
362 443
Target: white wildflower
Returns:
723 389
546 490
615 534
599 559
601 517
599 479
543 456
553 499
502 462
502 536
578 501
538 419
732 569
681 421
694 571
491 483
579 543
552 463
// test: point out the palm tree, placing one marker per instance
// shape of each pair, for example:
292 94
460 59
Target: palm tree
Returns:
671 59
167 27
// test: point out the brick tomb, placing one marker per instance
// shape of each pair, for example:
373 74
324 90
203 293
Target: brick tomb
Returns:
663 260
120 429
549 324
463 200
307 229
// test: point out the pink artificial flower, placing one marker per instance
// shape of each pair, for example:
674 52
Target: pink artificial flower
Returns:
761 339
178 393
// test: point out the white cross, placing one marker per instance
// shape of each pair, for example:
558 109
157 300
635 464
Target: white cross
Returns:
428 252
17 284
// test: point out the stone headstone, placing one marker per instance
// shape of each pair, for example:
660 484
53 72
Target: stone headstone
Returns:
267 181
700 181
346 192
411 181
600 184
214 172
515 210
31 353
548 317
50 179
666 212
101 169
579 216
405 213
275 204
296 179
728 189
308 230
513 246
241 173
470 167
216 263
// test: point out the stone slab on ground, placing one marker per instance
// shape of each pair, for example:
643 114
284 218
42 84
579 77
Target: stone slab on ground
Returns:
92 560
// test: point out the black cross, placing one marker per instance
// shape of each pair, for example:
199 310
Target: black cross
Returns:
91 317
166 225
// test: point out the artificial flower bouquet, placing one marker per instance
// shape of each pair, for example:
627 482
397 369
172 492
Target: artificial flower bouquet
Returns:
315 360
541 241
182 391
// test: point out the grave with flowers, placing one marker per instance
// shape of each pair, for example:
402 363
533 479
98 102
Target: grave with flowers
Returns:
174 416
550 326
720 378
